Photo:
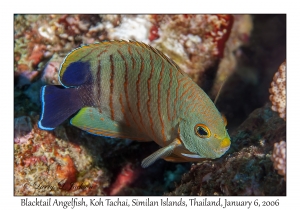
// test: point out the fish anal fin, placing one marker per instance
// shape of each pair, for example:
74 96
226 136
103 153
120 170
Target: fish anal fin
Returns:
94 122
175 158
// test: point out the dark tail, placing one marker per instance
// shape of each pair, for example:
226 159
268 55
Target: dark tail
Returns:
58 103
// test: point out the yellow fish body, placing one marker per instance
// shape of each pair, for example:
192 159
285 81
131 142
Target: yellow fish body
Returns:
131 90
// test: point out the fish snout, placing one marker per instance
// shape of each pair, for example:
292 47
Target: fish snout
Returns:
225 144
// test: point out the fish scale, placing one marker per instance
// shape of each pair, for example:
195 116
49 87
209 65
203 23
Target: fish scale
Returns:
132 90
146 102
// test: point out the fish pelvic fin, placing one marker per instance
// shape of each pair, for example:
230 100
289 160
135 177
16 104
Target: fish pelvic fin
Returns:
161 153
175 158
58 104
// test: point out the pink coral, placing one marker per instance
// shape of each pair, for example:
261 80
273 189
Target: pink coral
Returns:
277 91
279 158
50 73
125 178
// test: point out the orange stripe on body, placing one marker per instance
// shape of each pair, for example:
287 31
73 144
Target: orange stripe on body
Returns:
176 95
98 76
184 87
159 103
112 67
98 87
169 94
131 56
123 110
126 91
195 94
138 87
149 94
181 101
102 52
190 104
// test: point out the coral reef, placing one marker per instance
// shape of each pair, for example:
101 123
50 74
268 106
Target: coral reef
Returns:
125 178
279 158
278 91
50 72
239 36
210 48
247 87
194 42
247 169
131 27
22 129
48 163
38 37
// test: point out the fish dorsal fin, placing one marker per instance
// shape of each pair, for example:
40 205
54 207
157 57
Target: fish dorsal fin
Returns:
75 68
218 94
157 52
76 74
76 63
94 122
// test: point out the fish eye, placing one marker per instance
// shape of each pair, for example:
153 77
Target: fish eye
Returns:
202 131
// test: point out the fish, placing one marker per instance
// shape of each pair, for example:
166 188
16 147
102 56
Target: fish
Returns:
130 90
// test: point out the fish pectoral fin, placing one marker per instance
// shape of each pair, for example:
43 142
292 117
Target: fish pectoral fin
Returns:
161 153
94 122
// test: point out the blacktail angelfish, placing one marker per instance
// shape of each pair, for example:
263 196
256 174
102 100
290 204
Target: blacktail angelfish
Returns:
130 90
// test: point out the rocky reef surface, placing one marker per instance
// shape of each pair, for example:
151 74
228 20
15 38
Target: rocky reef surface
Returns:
240 52
247 168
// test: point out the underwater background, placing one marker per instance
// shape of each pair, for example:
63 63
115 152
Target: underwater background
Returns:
243 52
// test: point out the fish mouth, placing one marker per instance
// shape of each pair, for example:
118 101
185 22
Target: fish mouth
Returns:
225 143
191 155
223 150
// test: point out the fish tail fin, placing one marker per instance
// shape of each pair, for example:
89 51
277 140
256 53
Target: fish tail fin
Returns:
58 104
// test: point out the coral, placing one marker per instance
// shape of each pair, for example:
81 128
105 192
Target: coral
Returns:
194 42
69 161
131 27
50 72
153 33
22 129
28 46
125 178
278 91
279 158
47 165
66 172
247 168
38 37
239 36
26 77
